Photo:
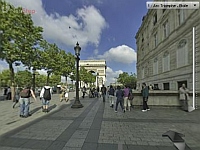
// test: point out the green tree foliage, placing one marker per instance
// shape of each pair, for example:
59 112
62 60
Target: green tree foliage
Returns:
50 58
66 64
127 79
18 35
86 76
23 78
5 78
54 79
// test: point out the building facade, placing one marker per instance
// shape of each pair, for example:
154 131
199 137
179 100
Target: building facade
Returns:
99 69
165 48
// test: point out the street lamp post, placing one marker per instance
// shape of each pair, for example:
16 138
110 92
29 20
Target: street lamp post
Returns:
77 103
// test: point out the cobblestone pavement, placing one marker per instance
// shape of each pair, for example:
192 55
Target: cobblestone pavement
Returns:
9 117
97 127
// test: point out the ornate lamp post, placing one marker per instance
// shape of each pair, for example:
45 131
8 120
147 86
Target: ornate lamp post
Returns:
77 103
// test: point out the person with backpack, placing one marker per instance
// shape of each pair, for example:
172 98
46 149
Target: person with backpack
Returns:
119 95
45 96
111 93
24 101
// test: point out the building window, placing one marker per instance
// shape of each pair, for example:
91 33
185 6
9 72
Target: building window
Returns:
142 73
155 39
166 29
155 66
182 54
166 86
181 16
154 18
166 62
155 87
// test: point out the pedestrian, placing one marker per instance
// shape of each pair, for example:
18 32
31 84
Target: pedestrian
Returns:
98 90
63 92
111 94
83 91
16 98
184 97
45 96
24 101
8 97
145 95
126 100
119 95
103 91
131 97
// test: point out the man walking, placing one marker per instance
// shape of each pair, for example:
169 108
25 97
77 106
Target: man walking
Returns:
119 95
111 93
126 100
45 96
24 101
145 95
103 91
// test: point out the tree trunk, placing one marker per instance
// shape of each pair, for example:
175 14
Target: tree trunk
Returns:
12 78
48 74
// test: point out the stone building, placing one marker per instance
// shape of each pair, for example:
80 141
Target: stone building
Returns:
99 69
165 48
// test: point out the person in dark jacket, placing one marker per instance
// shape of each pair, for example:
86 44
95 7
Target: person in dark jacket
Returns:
145 95
111 93
103 91
119 95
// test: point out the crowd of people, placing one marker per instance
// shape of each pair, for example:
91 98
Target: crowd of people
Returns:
115 95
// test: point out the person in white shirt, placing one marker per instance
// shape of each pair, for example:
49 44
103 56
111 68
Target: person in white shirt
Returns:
45 96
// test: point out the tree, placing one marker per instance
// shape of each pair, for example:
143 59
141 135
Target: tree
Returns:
86 76
127 79
23 78
18 36
54 79
5 78
50 58
66 64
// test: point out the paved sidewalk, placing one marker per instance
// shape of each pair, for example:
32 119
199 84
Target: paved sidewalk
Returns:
9 117
97 127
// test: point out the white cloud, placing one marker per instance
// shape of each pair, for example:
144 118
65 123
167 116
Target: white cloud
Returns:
86 26
122 54
110 75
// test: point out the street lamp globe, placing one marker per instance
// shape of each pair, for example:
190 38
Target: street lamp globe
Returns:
77 49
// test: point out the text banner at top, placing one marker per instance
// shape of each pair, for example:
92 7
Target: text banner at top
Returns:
172 5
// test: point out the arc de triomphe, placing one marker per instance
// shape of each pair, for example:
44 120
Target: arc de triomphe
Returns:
97 66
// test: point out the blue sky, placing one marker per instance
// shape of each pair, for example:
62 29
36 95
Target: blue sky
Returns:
105 29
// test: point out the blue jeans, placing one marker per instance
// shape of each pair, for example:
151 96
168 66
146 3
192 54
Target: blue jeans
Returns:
104 97
24 106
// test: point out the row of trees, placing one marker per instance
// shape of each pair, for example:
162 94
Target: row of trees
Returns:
128 79
22 42
23 78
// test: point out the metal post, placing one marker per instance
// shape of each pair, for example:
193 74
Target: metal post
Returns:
77 103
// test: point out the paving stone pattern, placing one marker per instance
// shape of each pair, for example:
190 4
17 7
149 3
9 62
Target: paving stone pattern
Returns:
97 127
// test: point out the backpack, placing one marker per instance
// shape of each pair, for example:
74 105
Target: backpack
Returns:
25 93
47 94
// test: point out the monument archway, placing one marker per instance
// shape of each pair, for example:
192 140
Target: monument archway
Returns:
98 67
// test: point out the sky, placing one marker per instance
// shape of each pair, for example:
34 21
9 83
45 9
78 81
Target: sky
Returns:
105 29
